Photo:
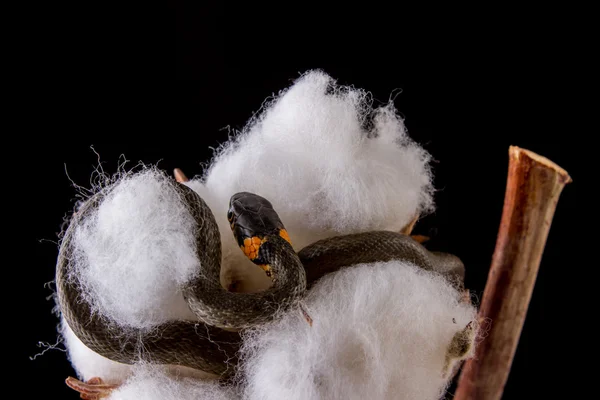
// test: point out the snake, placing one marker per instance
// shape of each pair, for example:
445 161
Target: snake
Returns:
212 342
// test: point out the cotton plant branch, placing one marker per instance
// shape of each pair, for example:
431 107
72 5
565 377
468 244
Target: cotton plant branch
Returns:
534 185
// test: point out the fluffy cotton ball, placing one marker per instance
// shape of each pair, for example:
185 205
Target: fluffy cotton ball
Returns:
379 331
313 154
328 161
152 383
132 255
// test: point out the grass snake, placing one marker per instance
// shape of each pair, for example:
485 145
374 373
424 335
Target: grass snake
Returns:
212 342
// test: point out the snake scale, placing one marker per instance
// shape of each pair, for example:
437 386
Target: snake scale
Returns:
210 344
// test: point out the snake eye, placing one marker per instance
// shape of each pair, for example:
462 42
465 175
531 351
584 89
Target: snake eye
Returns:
229 215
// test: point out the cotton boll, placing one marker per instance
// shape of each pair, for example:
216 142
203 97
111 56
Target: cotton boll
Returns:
134 252
329 163
380 331
153 383
311 155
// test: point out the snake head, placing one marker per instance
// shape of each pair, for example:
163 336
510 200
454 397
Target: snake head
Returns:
253 220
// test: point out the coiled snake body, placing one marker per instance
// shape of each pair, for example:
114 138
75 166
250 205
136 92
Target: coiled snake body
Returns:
206 344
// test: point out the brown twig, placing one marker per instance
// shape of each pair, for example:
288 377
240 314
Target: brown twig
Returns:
533 189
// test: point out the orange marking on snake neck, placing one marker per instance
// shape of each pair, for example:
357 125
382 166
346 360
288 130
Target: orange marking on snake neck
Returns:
266 268
283 233
251 246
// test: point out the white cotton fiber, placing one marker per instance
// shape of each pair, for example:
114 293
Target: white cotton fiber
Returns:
329 163
153 383
133 254
312 153
380 331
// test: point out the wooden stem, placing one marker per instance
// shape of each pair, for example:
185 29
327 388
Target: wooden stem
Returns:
533 189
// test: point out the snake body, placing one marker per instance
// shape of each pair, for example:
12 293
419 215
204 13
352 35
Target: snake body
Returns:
206 344
331 254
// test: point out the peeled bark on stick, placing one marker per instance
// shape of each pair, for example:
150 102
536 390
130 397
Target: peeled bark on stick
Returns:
533 189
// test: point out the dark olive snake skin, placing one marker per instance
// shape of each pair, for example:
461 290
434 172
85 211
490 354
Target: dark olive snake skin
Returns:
203 344
329 255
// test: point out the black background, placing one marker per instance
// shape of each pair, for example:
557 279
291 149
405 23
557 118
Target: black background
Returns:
467 93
